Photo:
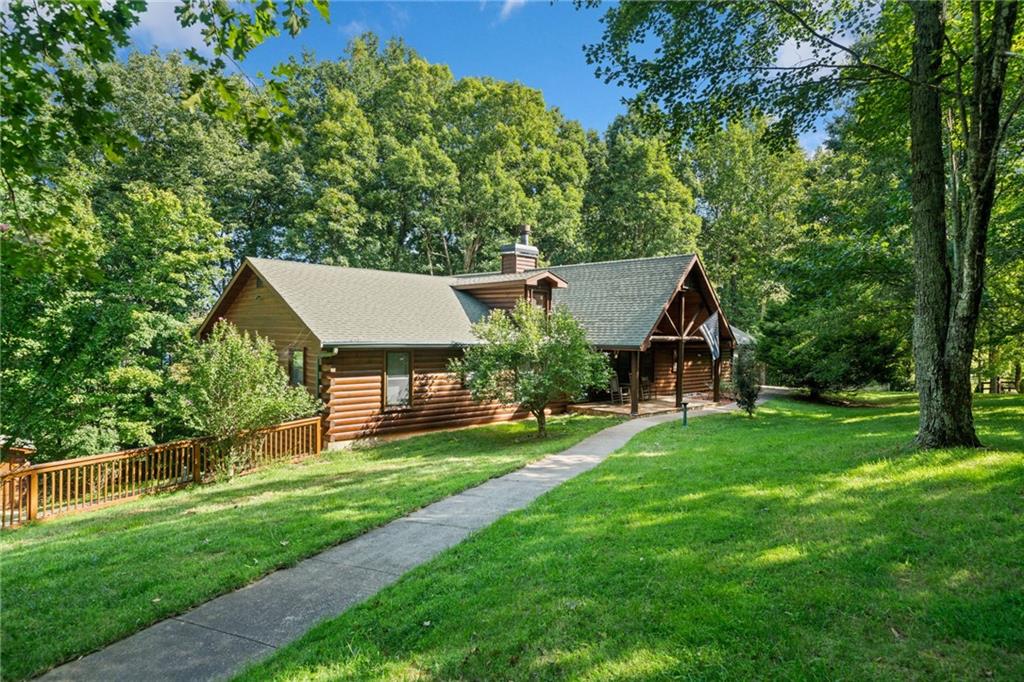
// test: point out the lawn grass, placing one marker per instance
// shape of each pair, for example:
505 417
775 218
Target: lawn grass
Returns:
810 542
73 584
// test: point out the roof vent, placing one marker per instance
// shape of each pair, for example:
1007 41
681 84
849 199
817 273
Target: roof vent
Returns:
516 258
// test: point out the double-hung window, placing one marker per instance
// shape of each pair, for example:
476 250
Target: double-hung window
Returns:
297 367
398 380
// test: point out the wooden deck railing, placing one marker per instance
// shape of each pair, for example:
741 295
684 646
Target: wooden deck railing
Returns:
46 490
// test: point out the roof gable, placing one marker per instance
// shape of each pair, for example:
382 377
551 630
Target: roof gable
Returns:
356 307
235 289
620 302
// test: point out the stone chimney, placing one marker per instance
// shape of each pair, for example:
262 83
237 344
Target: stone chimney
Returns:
519 256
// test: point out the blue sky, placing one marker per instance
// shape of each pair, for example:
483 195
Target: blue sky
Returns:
536 43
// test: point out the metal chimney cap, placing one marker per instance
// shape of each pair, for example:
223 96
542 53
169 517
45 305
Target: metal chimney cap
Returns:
524 234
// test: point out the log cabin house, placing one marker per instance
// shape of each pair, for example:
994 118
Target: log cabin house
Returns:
374 345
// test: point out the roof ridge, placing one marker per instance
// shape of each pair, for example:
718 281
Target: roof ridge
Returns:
620 260
467 274
346 267
476 274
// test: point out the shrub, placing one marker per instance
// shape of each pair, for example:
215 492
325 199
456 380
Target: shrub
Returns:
745 384
531 359
231 385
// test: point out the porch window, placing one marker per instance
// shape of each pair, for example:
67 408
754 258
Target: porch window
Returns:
398 380
297 366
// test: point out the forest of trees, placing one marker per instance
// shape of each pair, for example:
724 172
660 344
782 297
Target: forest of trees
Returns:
388 161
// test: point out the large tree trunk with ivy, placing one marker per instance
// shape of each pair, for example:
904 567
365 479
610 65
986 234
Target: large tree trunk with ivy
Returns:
950 275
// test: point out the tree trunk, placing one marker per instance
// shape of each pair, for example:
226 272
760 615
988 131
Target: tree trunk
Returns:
469 255
948 304
542 422
945 417
1016 377
447 255
430 253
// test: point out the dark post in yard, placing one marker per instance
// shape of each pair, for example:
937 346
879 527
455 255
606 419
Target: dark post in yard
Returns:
634 384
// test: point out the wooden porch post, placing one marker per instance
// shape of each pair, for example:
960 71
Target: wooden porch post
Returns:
680 353
716 372
634 384
681 350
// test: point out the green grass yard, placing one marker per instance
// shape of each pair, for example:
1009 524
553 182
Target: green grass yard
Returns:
76 583
808 543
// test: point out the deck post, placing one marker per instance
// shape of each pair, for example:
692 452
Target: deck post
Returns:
634 384
33 496
197 475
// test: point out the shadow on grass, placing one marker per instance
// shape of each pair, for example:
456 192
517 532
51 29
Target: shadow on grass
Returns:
810 542
75 583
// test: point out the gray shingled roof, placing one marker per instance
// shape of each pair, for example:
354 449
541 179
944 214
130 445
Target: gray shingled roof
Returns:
489 277
356 307
619 302
741 336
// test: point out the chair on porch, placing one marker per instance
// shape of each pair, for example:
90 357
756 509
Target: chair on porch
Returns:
617 390
645 387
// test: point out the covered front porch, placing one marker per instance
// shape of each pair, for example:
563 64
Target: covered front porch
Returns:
664 345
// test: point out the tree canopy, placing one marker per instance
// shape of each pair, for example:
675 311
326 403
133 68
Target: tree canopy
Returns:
57 96
115 243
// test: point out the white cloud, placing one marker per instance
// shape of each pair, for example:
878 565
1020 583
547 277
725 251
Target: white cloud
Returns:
510 6
399 17
354 28
791 54
159 27
817 52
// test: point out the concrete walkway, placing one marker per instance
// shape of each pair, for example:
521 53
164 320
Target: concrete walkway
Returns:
219 638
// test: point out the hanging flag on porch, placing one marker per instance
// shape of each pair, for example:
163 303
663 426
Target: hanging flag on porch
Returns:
709 330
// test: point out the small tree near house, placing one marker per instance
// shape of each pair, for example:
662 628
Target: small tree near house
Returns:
231 385
531 359
745 384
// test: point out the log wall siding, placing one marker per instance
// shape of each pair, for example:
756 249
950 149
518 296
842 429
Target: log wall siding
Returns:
261 311
664 384
352 384
697 377
501 295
